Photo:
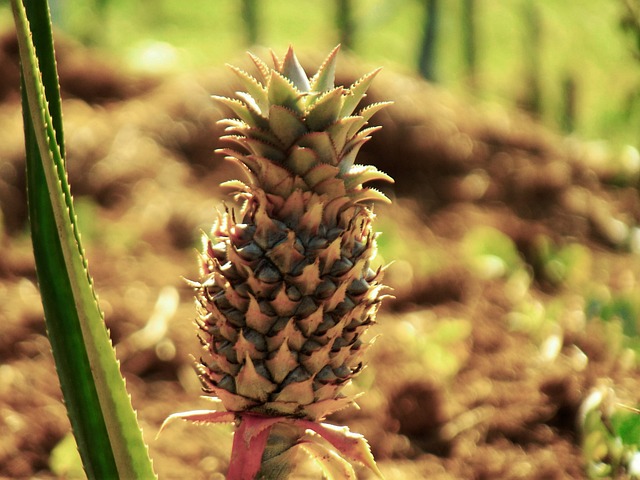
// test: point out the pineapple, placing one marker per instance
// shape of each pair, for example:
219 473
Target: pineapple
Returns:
286 289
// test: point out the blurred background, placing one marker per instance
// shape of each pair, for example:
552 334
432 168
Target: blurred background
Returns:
513 239
554 59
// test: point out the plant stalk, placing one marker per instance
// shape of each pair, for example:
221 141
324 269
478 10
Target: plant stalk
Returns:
278 459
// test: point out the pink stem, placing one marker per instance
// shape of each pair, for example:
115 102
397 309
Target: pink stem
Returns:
249 442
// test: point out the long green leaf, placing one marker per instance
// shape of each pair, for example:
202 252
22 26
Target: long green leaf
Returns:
104 422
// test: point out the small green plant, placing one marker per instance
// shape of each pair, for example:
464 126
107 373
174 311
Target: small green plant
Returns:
286 289
439 347
619 315
490 253
561 264
610 436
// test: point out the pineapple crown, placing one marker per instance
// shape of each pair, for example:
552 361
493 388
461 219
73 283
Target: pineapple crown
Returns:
304 126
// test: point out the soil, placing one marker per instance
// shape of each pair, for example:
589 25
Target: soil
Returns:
489 401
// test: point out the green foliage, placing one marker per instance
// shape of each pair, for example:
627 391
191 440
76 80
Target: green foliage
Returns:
409 248
620 314
567 265
438 346
441 349
610 437
624 309
490 253
532 97
106 430
531 317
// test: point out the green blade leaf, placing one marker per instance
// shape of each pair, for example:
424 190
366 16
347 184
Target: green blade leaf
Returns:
63 329
104 423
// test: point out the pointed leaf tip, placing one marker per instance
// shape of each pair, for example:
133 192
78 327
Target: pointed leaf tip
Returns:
370 110
199 417
357 92
324 79
292 69
277 64
361 174
255 89
263 68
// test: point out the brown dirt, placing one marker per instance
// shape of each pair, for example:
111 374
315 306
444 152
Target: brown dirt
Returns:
498 404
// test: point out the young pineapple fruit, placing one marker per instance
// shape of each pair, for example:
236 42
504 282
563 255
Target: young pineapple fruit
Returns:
286 289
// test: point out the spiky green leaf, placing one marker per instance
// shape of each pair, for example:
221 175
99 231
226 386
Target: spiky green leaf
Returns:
325 110
301 159
346 162
263 68
368 111
325 78
244 112
286 125
320 143
284 93
319 174
339 132
360 174
292 69
357 93
369 195
106 430
256 89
